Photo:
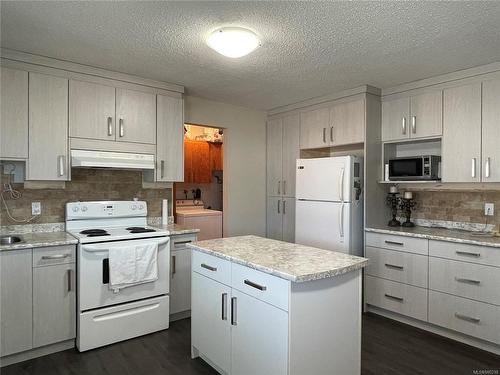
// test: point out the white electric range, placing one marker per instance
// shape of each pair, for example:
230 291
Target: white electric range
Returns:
104 316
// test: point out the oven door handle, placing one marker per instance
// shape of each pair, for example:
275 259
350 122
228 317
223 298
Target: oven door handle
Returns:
102 247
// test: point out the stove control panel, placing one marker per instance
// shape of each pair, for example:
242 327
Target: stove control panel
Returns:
105 209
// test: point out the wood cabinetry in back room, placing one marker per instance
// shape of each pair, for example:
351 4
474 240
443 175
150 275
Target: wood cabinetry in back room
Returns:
201 158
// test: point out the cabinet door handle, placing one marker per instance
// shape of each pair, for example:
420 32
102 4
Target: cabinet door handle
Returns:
468 253
473 168
224 306
69 281
162 168
331 133
284 207
279 187
279 205
254 285
487 168
60 165
234 312
394 243
414 124
173 265
467 281
110 126
210 268
388 265
467 318
52 257
400 299
284 187
324 135
403 126
181 243
122 128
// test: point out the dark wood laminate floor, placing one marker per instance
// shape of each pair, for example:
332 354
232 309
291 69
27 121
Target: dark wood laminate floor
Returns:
389 348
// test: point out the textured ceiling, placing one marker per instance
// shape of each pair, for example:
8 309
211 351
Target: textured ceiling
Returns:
309 48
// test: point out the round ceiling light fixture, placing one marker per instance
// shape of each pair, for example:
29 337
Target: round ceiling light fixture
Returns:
233 42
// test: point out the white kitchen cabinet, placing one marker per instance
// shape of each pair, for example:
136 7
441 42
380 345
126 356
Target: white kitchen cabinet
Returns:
314 128
462 126
14 116
288 220
210 325
274 157
169 139
91 110
490 131
136 116
395 116
259 337
281 218
291 152
180 274
16 294
347 121
48 128
54 304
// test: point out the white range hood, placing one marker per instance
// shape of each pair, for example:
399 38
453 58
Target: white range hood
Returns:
108 159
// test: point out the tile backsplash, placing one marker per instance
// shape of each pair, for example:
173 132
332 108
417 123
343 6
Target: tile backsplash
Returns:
85 185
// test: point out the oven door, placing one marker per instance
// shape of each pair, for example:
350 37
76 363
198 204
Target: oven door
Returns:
93 275
406 168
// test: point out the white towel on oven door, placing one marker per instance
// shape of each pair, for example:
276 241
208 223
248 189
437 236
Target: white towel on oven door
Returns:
132 265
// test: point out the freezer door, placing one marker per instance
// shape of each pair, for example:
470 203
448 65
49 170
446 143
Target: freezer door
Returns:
325 225
324 179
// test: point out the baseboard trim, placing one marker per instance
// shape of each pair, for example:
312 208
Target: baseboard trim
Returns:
37 352
180 315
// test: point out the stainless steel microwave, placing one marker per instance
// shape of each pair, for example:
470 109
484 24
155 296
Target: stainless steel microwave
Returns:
415 168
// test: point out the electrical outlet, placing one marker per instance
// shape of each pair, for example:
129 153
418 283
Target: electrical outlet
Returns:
489 209
36 208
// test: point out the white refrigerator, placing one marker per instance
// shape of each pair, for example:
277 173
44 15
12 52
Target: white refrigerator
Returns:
329 203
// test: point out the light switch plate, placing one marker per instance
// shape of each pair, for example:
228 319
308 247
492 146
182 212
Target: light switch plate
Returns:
36 208
489 209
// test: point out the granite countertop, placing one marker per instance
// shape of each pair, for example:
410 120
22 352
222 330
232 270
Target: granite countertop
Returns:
288 261
441 234
176 229
40 239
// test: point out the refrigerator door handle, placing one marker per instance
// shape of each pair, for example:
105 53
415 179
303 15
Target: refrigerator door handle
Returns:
342 220
341 191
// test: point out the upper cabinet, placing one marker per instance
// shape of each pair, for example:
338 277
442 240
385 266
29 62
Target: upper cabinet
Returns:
48 128
418 116
91 111
14 114
491 131
170 139
274 154
136 116
314 126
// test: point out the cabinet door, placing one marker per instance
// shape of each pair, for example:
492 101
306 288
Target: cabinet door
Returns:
14 114
216 162
54 308
200 159
314 127
461 159
170 139
48 128
491 129
136 116
274 218
180 282
259 337
347 123
291 152
395 119
426 119
289 219
16 301
274 156
210 320
91 110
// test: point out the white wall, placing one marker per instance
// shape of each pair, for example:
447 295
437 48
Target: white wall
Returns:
244 161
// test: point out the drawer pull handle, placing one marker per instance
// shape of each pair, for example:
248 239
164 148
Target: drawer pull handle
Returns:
394 243
234 317
182 242
388 265
52 257
210 268
468 253
400 299
467 281
224 306
255 285
467 318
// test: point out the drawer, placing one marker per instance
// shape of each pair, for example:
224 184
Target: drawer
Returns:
469 280
401 298
397 266
465 252
399 243
180 242
47 256
473 318
263 286
211 266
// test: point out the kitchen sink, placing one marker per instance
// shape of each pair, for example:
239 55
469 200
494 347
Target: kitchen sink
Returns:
9 240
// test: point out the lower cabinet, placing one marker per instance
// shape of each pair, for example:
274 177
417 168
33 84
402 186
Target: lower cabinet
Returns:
281 218
180 273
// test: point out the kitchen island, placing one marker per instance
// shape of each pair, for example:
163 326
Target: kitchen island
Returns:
261 306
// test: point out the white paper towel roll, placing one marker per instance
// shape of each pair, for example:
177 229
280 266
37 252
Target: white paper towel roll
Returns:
164 211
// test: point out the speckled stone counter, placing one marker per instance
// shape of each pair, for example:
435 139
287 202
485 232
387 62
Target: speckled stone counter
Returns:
440 234
40 239
176 229
288 261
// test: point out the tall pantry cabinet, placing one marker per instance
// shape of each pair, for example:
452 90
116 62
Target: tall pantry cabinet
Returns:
282 153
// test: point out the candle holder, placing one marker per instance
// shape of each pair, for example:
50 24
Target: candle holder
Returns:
392 201
406 205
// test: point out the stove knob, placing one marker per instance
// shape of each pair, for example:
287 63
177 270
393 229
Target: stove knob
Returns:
134 207
84 208
141 207
75 209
